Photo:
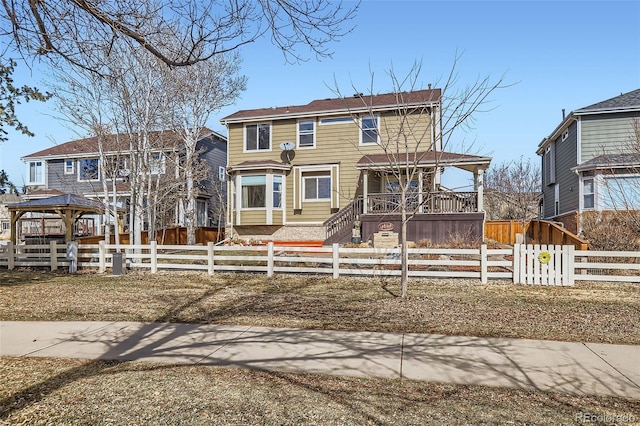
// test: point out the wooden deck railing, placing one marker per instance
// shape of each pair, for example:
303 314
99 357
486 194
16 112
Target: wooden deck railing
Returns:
432 202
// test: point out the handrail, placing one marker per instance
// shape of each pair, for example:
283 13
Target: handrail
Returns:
343 218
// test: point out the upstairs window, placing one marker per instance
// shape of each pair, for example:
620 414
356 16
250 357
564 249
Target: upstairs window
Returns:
88 169
158 163
257 137
549 165
369 129
36 173
306 134
222 173
68 167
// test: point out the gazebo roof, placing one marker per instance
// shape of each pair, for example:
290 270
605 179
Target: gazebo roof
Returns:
58 202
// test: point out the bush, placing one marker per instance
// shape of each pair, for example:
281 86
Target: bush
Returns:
614 231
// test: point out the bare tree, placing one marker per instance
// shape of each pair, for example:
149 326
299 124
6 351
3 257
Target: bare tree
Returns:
197 30
192 95
513 190
419 127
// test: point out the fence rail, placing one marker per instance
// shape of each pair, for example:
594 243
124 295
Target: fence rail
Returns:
525 264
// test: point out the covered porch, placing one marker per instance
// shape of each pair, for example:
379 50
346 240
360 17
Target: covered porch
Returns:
380 189
435 212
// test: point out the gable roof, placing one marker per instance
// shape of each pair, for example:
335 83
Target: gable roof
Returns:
343 105
626 101
163 139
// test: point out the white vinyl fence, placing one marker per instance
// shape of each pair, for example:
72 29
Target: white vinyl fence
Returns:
525 264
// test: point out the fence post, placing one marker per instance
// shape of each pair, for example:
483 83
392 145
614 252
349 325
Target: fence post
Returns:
154 256
570 261
484 259
516 264
270 256
53 255
335 249
12 256
211 257
102 255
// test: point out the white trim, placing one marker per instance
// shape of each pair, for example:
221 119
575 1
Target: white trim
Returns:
316 200
578 141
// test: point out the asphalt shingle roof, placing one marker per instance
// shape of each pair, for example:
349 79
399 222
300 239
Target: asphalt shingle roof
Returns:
357 102
628 100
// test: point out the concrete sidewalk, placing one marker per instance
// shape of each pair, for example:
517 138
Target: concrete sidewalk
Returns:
578 368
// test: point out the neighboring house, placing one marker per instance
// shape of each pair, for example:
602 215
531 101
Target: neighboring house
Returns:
589 162
76 167
317 172
5 217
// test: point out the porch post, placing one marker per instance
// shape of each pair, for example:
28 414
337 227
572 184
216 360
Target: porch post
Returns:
479 184
420 189
365 190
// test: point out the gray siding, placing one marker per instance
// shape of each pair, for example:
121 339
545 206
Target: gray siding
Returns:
56 179
606 134
566 158
567 180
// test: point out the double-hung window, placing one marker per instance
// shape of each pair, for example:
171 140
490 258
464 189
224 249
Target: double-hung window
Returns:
317 188
88 169
158 163
257 137
36 173
588 194
369 130
306 134
68 167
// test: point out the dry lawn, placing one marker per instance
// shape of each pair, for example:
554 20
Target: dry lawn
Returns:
592 312
61 391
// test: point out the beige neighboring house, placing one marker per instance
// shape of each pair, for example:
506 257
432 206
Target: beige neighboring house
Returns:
5 217
318 172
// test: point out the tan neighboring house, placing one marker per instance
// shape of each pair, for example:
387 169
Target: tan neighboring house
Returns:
5 216
318 172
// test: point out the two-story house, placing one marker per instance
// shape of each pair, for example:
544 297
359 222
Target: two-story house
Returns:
316 172
589 161
86 167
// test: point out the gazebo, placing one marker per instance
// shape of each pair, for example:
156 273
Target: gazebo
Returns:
69 207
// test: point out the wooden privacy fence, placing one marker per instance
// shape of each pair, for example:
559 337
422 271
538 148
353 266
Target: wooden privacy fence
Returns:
525 264
545 232
503 231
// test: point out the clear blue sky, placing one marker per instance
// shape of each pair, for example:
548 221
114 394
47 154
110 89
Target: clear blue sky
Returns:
561 55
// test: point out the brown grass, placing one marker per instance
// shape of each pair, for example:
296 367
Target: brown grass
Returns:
589 312
62 391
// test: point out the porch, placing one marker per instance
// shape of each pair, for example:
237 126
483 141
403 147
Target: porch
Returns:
390 186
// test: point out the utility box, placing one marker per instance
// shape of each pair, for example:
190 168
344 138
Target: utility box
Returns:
118 266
